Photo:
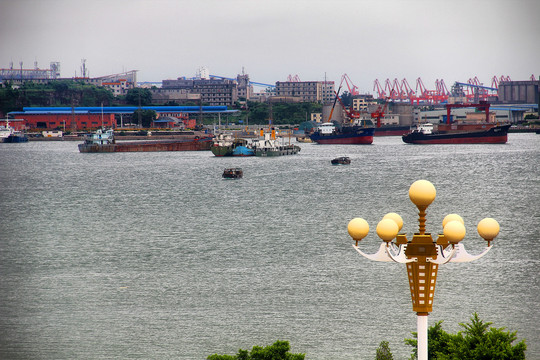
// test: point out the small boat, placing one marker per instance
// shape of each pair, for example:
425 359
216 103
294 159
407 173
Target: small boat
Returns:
303 139
9 135
342 160
233 173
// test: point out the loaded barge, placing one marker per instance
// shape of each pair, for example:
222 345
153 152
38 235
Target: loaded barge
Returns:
104 142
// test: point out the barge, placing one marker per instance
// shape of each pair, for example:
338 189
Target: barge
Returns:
104 142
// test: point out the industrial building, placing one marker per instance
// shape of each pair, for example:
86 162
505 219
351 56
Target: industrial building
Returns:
519 92
89 118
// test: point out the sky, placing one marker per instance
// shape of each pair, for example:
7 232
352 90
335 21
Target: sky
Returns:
271 39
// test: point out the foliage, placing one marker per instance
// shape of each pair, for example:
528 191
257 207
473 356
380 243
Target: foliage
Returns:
147 116
53 93
277 351
279 113
383 352
346 98
476 341
139 96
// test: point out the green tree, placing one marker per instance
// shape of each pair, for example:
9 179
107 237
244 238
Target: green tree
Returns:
346 98
136 95
147 116
478 341
277 351
383 352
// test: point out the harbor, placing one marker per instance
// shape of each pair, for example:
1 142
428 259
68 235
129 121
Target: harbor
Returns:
95 246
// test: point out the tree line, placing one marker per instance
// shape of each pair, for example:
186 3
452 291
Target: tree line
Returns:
477 341
79 93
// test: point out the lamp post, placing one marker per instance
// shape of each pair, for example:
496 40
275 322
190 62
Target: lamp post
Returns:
422 254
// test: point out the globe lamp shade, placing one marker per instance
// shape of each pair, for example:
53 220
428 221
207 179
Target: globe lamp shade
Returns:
452 217
454 231
488 228
396 218
358 228
422 193
387 229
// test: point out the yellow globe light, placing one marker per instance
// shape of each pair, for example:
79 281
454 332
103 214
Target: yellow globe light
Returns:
396 218
422 193
358 229
454 231
488 228
452 217
387 229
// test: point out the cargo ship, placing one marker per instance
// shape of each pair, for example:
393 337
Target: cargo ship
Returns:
392 130
105 142
479 132
353 131
336 134
425 134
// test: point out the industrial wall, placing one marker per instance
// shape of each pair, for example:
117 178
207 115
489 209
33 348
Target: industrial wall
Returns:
519 92
71 122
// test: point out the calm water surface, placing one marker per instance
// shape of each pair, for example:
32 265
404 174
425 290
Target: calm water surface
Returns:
154 256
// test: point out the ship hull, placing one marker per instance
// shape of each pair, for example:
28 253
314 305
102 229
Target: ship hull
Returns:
495 135
392 131
361 136
281 151
222 150
149 146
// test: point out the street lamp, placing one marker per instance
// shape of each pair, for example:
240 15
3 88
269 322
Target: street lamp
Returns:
422 254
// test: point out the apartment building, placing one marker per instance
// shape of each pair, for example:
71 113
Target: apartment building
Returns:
214 92
361 102
308 91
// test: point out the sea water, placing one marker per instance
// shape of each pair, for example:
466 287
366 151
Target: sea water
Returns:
155 256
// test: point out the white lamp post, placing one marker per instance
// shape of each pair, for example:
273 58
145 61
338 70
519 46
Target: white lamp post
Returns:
422 254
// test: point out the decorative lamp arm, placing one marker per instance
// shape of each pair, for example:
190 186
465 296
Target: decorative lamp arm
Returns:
443 256
380 255
397 254
463 256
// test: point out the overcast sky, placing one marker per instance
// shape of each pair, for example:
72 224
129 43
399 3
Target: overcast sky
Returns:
272 39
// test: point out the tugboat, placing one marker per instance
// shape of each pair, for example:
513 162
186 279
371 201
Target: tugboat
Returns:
342 160
233 173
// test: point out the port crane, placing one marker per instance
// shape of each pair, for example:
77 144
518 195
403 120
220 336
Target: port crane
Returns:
378 114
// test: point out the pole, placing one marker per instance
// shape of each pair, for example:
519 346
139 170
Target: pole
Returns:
422 328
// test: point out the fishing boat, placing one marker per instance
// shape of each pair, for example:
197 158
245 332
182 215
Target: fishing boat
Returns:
233 173
484 132
227 145
104 142
9 135
342 160
269 146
